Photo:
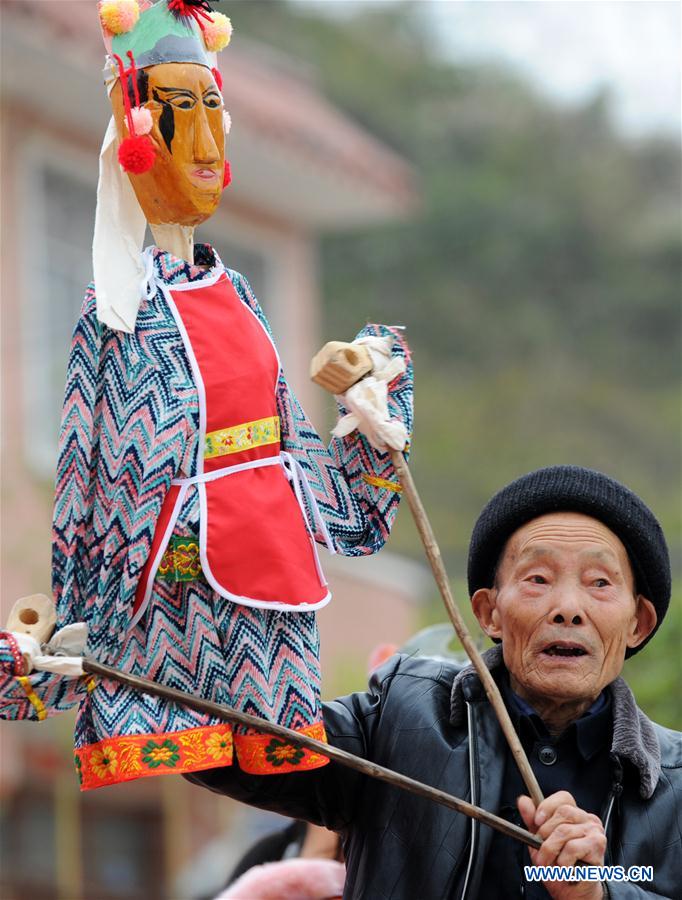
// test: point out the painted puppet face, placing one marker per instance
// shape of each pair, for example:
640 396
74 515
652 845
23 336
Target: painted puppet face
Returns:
185 183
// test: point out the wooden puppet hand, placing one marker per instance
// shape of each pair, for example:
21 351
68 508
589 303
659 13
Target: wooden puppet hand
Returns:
570 836
338 366
345 370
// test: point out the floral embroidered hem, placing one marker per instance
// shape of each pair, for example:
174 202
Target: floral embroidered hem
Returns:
127 757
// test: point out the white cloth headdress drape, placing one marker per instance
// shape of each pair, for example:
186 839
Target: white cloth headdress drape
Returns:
117 244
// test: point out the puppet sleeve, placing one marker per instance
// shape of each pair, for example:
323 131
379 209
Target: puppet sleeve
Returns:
34 696
72 533
43 694
354 484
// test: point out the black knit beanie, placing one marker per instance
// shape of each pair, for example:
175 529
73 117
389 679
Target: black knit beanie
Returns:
574 489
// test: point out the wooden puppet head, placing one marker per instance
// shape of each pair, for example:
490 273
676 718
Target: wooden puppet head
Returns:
167 103
185 182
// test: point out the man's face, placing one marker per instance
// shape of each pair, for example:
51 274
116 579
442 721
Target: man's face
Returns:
185 183
564 607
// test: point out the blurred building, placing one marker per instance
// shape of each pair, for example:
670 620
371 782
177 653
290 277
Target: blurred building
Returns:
300 167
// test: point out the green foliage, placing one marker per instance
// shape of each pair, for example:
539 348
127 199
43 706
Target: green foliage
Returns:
539 280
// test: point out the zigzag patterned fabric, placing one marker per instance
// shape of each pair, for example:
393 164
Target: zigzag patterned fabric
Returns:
130 425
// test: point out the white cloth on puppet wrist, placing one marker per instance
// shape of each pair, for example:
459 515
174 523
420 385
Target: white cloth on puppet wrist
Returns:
62 653
384 365
367 404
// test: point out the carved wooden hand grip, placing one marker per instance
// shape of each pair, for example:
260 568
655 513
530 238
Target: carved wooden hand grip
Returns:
339 366
34 615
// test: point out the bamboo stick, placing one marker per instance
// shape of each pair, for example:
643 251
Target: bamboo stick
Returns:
300 740
433 553
436 561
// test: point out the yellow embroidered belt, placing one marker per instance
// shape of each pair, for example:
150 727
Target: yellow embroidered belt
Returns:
242 437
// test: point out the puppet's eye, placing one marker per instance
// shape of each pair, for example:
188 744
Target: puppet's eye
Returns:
212 101
180 101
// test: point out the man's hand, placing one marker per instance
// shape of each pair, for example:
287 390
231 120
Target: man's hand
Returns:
569 836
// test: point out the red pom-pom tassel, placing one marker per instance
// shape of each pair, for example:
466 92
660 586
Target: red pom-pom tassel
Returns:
137 154
227 177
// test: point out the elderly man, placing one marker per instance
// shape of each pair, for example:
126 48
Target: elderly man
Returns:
569 572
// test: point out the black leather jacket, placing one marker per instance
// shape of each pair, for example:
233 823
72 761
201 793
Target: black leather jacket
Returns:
428 720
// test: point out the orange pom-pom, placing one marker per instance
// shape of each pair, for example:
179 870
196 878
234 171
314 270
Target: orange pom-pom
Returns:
137 154
119 16
217 32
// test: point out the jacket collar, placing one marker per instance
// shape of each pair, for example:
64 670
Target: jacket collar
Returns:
589 734
634 737
170 269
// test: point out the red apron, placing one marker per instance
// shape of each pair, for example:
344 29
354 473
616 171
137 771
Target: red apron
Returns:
256 545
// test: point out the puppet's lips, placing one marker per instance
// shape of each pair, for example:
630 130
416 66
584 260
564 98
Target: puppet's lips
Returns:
205 175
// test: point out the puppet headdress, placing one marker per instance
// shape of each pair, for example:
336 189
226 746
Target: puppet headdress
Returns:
143 34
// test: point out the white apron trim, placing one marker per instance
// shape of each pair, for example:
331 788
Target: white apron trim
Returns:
177 506
227 470
297 476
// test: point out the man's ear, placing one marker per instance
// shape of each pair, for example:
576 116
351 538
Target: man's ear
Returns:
643 622
484 606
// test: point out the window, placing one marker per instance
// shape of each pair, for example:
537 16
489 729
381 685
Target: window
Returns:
27 861
57 269
122 852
